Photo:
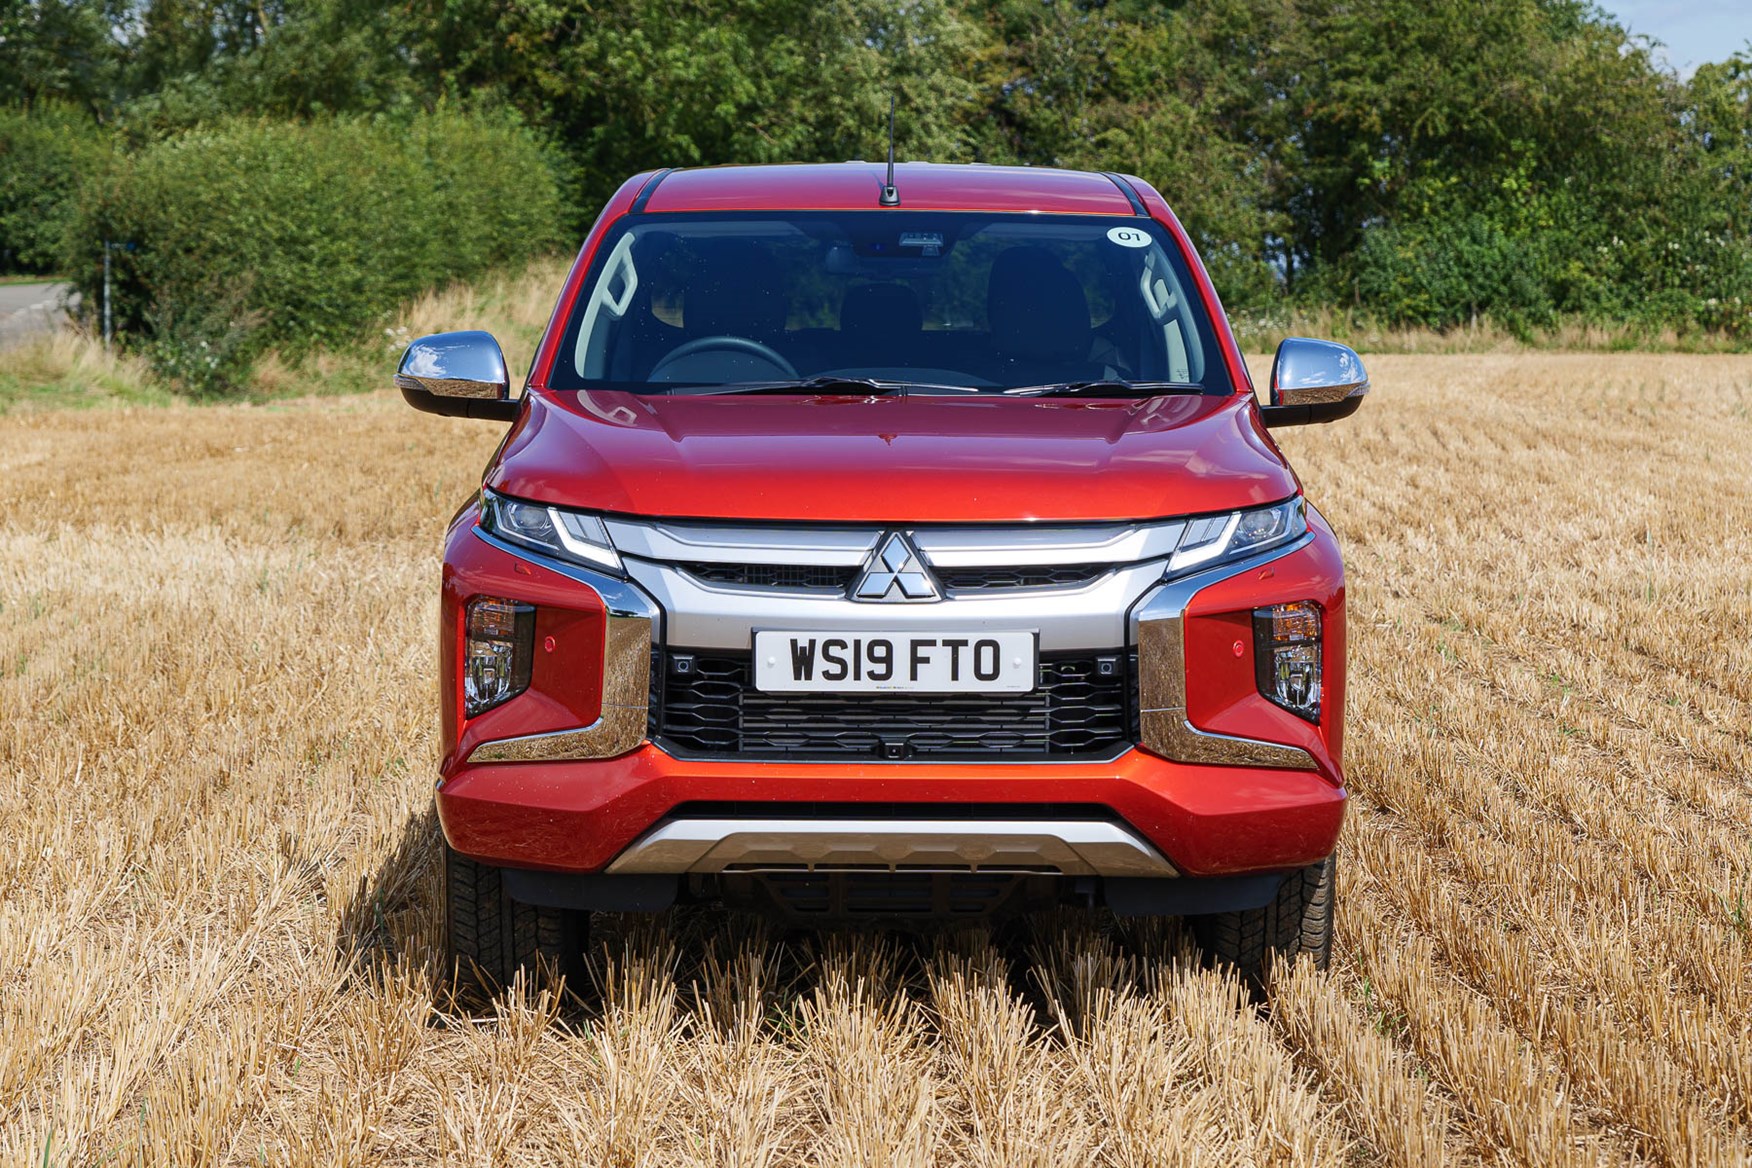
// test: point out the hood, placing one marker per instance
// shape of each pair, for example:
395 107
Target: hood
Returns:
914 459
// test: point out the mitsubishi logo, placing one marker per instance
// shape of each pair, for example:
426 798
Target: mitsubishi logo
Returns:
896 574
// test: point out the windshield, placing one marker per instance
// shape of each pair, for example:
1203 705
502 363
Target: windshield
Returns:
915 301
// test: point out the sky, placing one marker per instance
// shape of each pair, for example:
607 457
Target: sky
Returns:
1695 32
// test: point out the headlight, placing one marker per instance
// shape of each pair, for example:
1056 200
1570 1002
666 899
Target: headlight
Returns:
1216 538
569 535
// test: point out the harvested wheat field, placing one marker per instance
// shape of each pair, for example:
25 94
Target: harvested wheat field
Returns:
220 903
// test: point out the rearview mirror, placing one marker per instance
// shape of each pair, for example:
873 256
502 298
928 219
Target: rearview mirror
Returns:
459 375
1314 381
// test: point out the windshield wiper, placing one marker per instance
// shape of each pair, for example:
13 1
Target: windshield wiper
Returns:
831 383
1106 387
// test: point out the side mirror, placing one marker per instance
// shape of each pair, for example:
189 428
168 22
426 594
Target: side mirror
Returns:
459 375
1314 381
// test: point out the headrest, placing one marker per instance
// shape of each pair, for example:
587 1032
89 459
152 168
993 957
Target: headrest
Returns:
1037 308
872 312
737 292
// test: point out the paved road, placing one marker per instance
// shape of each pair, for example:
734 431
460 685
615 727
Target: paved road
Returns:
29 309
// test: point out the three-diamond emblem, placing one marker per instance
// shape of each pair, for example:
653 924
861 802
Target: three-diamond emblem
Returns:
896 574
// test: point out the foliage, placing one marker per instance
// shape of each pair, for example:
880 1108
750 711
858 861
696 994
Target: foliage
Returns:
61 49
1165 94
252 234
1524 161
42 154
1442 272
650 83
1511 157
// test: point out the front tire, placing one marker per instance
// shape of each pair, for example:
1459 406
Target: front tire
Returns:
1296 924
489 937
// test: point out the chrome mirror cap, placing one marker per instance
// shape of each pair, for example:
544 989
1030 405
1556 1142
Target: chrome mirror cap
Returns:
1307 372
461 374
464 364
1314 381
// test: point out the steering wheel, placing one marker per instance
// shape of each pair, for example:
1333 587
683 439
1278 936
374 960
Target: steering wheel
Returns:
725 344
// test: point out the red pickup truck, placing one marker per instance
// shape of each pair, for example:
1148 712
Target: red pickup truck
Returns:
898 554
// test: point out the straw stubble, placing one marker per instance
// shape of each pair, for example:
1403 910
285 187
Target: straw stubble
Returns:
218 935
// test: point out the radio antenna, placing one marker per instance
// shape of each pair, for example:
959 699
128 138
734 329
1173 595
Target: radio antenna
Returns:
890 196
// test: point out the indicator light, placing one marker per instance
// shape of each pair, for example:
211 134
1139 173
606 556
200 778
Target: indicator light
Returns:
499 651
1286 656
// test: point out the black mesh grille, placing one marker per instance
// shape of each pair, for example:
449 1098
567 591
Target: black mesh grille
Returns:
817 578
804 577
1044 576
1080 707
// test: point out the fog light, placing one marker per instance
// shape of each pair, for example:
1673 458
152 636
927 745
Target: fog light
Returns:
1286 656
501 640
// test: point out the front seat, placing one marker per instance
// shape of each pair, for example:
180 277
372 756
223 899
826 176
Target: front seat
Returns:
738 292
1039 319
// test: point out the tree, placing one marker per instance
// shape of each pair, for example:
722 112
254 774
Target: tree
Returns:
651 83
62 50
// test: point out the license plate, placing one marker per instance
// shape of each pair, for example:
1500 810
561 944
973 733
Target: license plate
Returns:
913 662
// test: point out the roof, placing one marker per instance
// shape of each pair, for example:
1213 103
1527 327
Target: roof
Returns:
923 186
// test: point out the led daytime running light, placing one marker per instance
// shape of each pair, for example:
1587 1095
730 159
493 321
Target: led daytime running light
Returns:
1213 539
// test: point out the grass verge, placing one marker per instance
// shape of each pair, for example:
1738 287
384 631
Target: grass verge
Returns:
1261 332
73 369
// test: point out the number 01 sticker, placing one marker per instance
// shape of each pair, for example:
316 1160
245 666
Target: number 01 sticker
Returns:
1129 237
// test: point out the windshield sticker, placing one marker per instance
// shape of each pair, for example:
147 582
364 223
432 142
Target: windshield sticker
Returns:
1129 237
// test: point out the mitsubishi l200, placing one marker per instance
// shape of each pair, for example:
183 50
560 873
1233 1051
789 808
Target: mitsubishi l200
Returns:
911 552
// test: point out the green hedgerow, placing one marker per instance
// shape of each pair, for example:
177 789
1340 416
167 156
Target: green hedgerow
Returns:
249 235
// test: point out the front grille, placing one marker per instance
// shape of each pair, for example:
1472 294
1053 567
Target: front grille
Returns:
1042 576
797 577
821 578
1080 708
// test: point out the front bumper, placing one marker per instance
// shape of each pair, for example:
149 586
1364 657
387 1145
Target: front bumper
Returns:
561 780
579 816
